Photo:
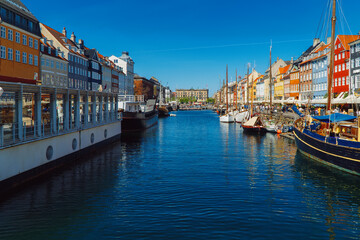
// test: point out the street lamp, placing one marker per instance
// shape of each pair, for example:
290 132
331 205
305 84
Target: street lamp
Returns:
1 91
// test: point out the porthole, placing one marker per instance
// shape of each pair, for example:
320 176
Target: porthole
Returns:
92 138
74 144
105 133
49 152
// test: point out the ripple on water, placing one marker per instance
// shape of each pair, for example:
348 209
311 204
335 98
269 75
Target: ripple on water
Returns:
189 177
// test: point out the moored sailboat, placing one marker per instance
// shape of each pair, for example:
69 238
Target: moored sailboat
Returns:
332 139
227 117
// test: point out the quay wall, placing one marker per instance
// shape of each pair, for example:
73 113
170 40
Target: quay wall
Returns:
23 158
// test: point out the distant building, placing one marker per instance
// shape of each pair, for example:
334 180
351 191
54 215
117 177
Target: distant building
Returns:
201 95
294 82
355 66
127 64
274 69
54 67
260 89
146 87
73 53
320 72
341 62
94 70
19 37
279 85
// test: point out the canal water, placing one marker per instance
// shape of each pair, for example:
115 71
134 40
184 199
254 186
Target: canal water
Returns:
189 177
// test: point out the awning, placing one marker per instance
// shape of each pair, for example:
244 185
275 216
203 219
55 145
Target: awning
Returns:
335 117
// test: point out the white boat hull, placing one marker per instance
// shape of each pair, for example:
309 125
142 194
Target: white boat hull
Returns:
228 118
31 159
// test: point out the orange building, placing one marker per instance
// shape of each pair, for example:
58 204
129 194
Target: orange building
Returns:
294 82
19 43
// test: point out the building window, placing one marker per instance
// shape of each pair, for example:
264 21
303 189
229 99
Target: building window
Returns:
36 44
42 47
10 34
10 54
335 57
343 81
343 55
49 50
42 62
17 56
30 59
30 42
17 37
347 80
24 40
3 52
52 64
24 57
352 63
57 65
3 32
343 67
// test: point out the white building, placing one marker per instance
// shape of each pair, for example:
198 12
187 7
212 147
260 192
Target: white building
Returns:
127 64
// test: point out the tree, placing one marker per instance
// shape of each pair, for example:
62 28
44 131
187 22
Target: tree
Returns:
210 100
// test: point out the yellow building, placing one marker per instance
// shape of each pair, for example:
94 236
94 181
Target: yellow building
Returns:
201 95
279 83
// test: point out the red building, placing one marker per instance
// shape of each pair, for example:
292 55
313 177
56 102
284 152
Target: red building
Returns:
342 62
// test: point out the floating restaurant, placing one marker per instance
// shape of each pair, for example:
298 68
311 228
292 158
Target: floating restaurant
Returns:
41 127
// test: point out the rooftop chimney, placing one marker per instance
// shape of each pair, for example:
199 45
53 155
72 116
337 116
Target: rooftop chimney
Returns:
316 41
81 44
277 59
73 37
292 60
125 53
64 32
328 40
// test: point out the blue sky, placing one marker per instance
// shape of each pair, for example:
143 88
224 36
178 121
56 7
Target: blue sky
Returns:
188 43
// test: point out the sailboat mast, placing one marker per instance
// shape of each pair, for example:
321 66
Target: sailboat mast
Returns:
247 86
236 87
270 75
331 69
252 97
227 103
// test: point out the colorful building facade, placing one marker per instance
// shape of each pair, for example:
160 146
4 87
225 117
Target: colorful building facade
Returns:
19 43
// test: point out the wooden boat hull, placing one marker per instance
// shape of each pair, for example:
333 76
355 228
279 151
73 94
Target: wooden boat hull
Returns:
343 155
256 129
138 121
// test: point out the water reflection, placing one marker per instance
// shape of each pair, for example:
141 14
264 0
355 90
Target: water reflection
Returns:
336 192
189 177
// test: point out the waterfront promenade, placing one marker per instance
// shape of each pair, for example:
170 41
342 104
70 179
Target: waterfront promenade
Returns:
189 177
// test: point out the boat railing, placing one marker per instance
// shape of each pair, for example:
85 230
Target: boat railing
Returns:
131 98
29 112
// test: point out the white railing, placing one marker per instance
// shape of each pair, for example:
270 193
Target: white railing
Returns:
131 98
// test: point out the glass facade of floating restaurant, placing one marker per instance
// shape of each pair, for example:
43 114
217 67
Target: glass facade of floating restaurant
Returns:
29 112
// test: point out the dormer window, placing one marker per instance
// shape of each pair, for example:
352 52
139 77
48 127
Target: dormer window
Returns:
49 50
42 47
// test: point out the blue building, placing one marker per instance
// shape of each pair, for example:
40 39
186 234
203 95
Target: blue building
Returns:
320 72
